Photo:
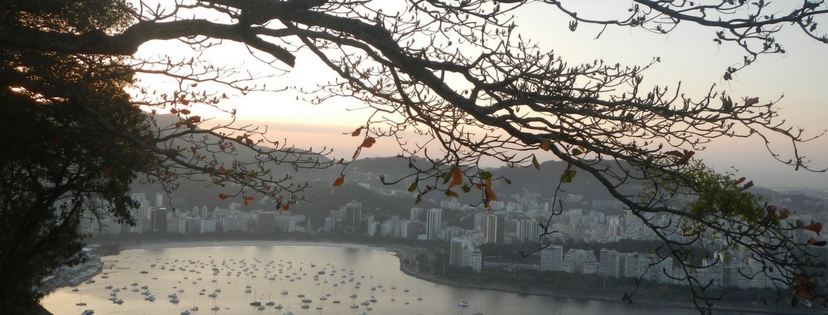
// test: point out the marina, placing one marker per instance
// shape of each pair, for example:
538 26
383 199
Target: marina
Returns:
300 280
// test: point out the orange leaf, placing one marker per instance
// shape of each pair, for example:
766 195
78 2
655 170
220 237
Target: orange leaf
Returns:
339 181
173 111
456 176
223 196
179 124
221 169
185 111
245 203
813 227
535 162
814 242
356 132
356 154
249 198
546 145
368 142
490 194
740 180
286 207
109 169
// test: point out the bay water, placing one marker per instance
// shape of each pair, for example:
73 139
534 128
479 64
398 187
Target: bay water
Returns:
226 277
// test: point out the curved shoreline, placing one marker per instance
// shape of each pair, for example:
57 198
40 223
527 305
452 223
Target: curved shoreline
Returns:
402 253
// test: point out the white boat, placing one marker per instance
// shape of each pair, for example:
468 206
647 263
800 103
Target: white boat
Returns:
463 304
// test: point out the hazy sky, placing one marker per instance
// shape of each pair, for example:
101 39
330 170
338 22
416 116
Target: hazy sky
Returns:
688 54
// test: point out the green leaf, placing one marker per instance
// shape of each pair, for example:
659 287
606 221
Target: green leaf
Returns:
413 187
451 193
577 152
567 176
485 175
466 189
446 177
507 181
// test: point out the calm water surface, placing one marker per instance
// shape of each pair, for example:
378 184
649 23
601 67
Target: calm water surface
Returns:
269 270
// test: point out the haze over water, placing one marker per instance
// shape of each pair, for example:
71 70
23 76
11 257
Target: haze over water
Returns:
255 263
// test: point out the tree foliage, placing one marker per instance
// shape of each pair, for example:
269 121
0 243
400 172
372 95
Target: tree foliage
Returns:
457 72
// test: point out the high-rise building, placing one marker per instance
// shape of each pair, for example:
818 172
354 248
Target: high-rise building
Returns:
551 258
353 217
416 213
491 228
433 223
159 200
609 263
158 219
529 230
480 222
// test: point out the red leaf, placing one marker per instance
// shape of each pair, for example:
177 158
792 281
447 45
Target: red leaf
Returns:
245 203
751 101
185 111
339 181
173 111
109 169
249 198
740 180
674 153
356 132
286 207
223 196
179 124
368 142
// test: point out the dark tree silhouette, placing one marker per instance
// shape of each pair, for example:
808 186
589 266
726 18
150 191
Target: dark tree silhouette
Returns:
459 73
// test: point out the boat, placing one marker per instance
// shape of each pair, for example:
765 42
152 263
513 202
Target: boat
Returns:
269 301
88 312
463 304
305 306
185 312
80 300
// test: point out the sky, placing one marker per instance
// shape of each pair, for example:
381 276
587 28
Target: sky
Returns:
688 55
